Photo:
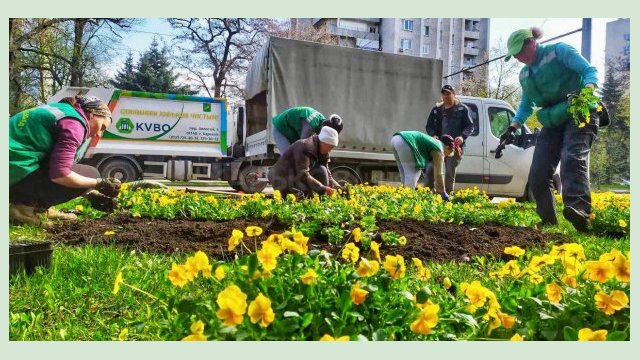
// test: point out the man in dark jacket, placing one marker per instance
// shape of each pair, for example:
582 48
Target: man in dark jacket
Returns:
449 117
303 168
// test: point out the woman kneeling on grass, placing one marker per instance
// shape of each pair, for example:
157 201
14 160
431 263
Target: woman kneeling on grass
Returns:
45 144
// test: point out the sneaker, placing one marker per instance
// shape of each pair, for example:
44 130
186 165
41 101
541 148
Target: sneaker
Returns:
22 214
580 220
55 214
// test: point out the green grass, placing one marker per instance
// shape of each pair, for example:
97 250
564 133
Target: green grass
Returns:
610 187
26 232
74 300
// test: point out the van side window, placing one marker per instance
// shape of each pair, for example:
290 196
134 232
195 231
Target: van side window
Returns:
473 111
499 120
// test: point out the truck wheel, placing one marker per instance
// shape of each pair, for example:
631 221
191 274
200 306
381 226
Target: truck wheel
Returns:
235 184
122 170
345 175
248 180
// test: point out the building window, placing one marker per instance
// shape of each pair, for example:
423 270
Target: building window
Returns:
425 48
405 44
426 30
407 25
372 29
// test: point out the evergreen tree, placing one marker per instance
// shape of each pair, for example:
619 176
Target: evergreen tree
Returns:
125 79
155 74
611 151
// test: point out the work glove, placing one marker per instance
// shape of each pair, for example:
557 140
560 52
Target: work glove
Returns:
109 187
102 202
146 184
444 196
509 136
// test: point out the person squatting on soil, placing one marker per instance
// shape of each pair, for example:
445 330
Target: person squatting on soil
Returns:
414 151
300 122
551 74
303 168
45 144
449 117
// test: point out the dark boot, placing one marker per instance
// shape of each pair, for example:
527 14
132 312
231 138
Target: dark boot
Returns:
580 220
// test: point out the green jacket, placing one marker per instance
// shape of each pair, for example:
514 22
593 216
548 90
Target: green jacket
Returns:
422 145
31 137
557 71
289 122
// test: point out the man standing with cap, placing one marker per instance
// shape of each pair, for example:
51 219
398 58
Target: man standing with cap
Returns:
449 117
303 168
553 73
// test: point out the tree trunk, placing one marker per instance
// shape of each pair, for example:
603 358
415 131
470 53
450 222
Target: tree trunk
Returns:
15 87
76 59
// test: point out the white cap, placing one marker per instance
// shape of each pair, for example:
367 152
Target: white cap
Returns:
328 136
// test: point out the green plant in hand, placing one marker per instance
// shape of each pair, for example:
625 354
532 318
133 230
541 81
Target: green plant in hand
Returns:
580 106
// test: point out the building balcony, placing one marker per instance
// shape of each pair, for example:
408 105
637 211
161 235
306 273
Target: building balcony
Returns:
338 31
472 34
468 50
369 20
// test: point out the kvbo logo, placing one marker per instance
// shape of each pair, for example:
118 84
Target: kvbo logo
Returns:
152 127
126 126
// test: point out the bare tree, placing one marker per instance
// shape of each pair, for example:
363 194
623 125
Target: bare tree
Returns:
502 82
218 50
46 54
298 29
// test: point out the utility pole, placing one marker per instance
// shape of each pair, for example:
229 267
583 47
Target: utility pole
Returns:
585 50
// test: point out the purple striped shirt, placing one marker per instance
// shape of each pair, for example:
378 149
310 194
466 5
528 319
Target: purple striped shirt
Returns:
69 135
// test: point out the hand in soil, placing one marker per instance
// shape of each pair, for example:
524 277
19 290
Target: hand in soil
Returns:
101 202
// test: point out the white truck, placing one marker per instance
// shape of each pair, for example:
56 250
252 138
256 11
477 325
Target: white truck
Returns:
159 135
377 94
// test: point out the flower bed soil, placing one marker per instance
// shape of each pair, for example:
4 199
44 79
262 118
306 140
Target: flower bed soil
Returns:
426 241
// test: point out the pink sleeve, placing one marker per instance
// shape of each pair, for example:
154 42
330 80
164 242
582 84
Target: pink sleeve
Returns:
68 137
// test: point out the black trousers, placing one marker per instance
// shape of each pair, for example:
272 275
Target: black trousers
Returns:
39 191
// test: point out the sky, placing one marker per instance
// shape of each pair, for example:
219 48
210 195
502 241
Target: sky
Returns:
139 40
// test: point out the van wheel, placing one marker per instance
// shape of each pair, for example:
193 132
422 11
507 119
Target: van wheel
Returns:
248 180
120 169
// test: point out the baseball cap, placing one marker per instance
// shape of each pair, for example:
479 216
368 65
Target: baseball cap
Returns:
515 42
448 88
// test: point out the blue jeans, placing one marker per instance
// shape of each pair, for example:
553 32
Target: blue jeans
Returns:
570 146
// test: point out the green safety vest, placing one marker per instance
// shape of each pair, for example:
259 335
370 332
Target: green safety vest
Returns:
289 122
421 145
547 84
31 137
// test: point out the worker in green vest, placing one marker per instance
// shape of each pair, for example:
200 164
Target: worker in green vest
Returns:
45 144
300 122
415 150
551 75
